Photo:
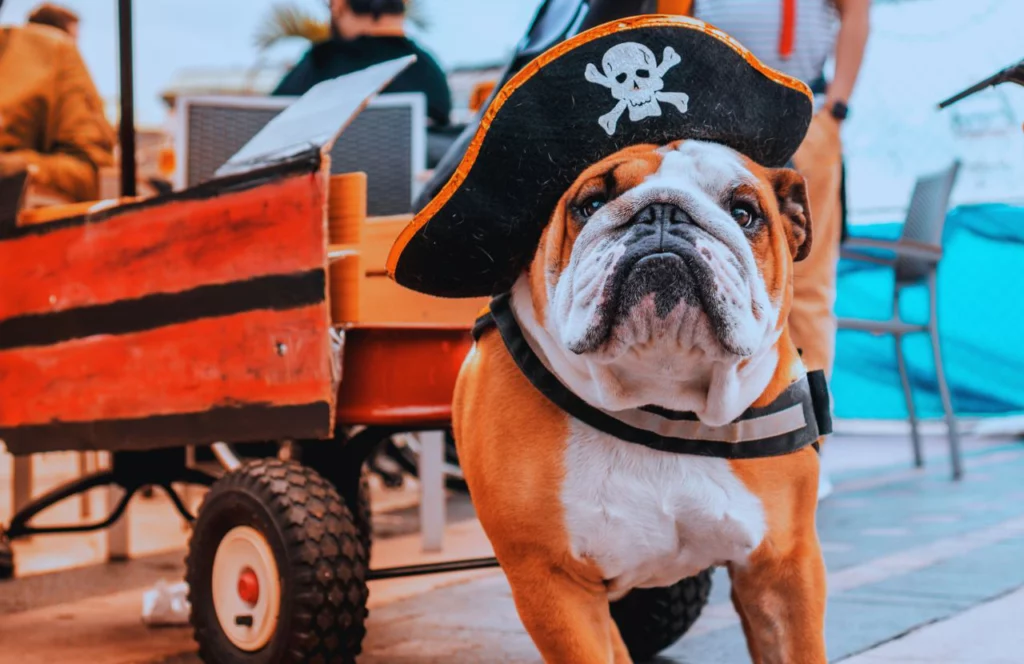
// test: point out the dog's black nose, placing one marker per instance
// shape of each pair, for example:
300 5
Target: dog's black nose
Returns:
662 214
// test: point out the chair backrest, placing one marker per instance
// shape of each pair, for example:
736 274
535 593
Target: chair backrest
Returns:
387 141
926 219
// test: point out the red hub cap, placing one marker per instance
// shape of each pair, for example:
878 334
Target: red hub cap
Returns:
249 586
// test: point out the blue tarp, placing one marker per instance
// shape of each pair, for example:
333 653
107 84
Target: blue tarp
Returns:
981 322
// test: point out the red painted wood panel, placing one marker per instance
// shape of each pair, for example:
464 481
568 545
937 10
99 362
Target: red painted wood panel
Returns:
401 375
274 228
257 357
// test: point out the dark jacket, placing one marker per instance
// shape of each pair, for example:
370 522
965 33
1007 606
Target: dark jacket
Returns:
337 57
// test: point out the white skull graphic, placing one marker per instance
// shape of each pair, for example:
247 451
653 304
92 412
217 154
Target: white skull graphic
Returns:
632 73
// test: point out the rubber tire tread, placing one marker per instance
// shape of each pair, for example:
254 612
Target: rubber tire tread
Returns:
320 558
652 619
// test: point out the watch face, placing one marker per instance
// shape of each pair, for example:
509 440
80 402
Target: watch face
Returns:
840 110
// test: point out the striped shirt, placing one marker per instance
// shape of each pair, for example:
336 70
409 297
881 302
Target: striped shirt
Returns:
757 24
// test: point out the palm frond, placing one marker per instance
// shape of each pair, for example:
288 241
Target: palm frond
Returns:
287 20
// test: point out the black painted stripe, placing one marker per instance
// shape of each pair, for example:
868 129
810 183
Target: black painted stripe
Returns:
234 424
277 292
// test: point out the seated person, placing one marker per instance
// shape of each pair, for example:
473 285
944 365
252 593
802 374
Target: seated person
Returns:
365 33
51 116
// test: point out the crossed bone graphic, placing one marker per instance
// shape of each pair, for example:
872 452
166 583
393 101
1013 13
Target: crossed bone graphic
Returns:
632 73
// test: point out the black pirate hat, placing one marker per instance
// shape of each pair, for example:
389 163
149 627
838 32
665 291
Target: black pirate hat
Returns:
649 79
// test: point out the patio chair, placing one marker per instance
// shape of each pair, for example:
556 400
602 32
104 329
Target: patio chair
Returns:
914 257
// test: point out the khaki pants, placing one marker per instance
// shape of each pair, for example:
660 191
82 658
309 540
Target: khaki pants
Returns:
812 319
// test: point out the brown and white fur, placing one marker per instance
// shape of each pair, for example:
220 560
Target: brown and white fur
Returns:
647 290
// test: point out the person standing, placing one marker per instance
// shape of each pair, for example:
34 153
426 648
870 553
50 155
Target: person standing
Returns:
797 37
56 16
51 116
365 33
51 126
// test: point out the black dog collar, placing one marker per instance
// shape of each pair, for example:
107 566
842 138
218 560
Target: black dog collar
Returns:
796 419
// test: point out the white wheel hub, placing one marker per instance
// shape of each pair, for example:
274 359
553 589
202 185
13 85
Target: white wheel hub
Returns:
246 588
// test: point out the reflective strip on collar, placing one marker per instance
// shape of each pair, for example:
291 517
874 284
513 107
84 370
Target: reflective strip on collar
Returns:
797 418
782 422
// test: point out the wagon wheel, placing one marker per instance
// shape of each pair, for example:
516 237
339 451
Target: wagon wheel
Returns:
276 569
652 619
345 473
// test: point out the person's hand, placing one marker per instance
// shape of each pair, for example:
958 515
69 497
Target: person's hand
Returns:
12 164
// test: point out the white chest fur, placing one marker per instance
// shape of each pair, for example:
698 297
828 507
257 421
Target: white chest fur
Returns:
650 518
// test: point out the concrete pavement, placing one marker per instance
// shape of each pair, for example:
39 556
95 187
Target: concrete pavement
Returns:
987 634
920 570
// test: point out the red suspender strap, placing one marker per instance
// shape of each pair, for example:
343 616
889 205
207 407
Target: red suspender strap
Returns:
788 33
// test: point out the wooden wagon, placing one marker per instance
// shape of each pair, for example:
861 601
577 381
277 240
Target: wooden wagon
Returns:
225 314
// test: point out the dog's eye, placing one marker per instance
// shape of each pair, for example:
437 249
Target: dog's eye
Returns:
744 214
590 206
643 73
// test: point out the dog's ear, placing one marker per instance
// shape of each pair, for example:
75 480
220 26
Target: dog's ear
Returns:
791 192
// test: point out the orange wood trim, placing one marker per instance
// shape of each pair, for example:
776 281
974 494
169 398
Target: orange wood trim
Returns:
481 91
383 301
531 69
346 284
678 7
276 228
261 357
378 235
64 211
346 210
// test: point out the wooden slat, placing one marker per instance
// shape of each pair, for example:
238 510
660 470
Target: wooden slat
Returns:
265 358
274 228
383 301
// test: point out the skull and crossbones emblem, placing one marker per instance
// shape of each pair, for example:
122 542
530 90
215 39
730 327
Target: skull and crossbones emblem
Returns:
636 80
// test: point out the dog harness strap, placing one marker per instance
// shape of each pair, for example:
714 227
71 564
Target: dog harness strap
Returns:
821 400
797 418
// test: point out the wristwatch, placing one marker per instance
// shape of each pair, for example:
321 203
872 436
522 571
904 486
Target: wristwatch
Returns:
839 110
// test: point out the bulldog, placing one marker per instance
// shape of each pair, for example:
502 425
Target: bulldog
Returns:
661 284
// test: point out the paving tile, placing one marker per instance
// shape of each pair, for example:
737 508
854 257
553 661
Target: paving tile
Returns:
906 550
987 634
727 646
853 625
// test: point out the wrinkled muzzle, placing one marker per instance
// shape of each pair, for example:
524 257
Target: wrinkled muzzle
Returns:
671 278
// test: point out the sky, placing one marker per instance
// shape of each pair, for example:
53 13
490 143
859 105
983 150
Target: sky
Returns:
920 52
171 35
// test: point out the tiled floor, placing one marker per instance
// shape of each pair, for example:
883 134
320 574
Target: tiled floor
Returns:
920 570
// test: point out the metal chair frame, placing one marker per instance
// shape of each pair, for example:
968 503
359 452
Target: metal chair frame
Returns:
915 259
